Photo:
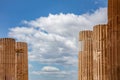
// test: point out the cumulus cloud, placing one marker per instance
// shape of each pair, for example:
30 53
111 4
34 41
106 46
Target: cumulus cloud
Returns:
53 72
54 39
50 69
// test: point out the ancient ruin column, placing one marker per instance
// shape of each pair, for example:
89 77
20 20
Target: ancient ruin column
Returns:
101 59
7 59
113 9
114 38
114 46
85 56
22 61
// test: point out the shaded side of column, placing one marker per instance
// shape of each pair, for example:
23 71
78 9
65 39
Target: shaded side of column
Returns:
22 61
114 37
85 56
110 9
113 9
114 46
101 58
7 59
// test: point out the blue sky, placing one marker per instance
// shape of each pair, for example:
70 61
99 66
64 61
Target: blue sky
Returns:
12 12
50 27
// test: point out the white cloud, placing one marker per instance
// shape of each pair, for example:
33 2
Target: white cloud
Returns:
54 39
50 71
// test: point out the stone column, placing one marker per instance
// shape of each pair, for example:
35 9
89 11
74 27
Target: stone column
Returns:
113 9
22 61
101 58
85 56
7 59
114 46
114 37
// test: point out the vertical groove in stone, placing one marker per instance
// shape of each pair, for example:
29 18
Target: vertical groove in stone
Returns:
85 56
22 61
110 9
7 59
101 59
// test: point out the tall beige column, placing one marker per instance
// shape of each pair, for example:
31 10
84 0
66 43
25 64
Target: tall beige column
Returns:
7 59
22 61
101 59
114 37
85 56
113 9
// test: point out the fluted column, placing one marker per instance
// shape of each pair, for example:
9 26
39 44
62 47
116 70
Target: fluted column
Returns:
22 61
101 58
114 46
114 38
7 59
85 56
113 9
